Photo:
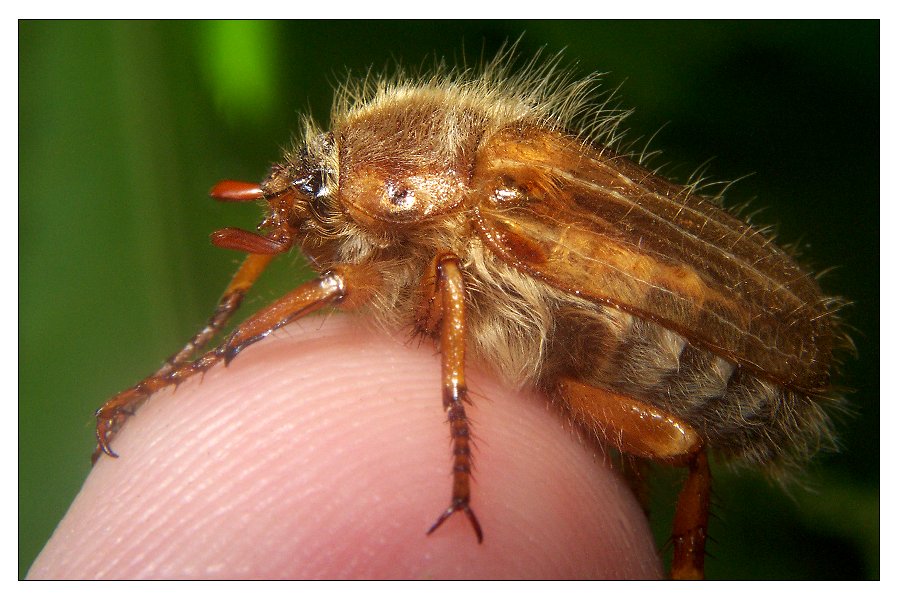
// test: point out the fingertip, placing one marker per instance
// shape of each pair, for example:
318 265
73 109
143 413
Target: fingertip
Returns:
323 453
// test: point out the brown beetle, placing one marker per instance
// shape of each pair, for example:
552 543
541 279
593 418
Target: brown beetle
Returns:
468 207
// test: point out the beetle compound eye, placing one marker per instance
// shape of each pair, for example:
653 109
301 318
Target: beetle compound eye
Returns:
309 185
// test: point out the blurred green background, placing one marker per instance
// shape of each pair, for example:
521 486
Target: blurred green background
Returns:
124 126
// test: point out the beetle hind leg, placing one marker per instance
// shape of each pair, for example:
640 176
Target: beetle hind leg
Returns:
689 529
642 430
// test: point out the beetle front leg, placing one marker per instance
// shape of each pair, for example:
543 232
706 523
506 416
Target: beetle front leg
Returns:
447 306
639 429
260 251
231 299
345 285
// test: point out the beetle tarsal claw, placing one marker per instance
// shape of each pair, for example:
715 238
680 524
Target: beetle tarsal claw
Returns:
458 506
236 344
104 433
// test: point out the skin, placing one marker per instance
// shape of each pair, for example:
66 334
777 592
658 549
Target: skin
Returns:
323 452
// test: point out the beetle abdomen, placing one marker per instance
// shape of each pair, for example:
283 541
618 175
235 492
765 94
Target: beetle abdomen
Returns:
738 413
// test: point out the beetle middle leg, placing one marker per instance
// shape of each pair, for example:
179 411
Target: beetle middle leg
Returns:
346 284
642 430
445 308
